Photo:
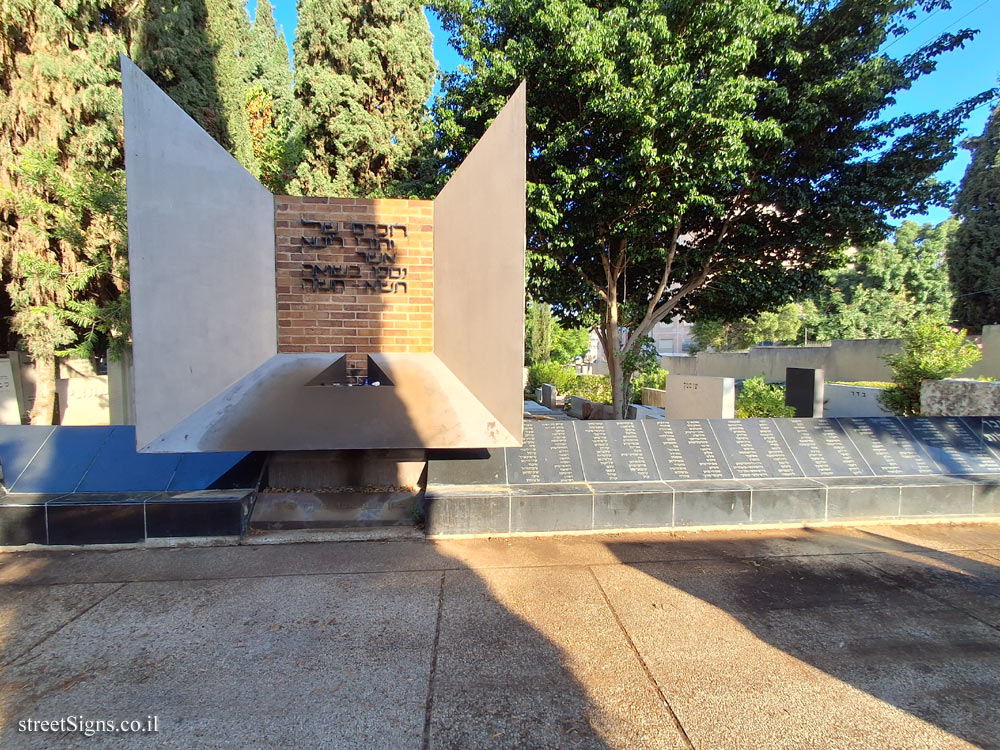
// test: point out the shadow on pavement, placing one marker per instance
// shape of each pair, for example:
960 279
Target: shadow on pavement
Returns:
310 645
745 645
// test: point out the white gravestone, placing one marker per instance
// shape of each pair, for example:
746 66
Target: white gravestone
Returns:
853 401
84 400
699 397
10 409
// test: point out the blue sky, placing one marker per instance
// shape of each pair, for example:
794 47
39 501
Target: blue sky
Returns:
960 74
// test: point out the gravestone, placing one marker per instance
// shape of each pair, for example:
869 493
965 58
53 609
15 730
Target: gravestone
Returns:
959 398
852 401
10 410
642 411
579 407
84 400
804 391
548 396
653 397
697 397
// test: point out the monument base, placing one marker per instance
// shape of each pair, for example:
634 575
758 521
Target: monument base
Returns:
341 489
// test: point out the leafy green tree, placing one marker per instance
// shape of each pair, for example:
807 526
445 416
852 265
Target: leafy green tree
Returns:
193 50
722 336
363 74
974 258
62 184
931 351
62 181
569 343
887 286
779 326
697 155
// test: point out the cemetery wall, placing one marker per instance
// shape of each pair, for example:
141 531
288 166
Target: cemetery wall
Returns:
846 360
841 360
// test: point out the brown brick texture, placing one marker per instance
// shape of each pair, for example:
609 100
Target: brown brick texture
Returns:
351 280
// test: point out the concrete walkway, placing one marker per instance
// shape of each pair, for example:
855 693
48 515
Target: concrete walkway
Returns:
871 637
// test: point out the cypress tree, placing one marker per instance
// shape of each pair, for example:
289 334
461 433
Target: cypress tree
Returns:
62 182
269 100
62 186
363 74
193 50
974 258
267 59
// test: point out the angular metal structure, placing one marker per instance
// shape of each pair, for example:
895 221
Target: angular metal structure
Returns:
250 312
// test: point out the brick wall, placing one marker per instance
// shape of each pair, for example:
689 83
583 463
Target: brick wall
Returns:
369 284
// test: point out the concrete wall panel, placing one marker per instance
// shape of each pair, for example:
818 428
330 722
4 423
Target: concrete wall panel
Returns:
479 235
201 255
840 360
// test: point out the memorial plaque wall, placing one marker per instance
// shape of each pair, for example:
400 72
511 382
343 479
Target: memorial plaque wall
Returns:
548 455
990 430
702 449
953 445
887 447
685 449
754 449
822 449
615 452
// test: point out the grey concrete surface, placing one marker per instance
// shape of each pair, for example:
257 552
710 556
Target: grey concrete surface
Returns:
201 261
479 240
876 636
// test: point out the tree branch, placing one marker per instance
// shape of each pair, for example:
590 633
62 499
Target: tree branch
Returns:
655 314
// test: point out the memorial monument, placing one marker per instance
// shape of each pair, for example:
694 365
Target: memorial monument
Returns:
283 323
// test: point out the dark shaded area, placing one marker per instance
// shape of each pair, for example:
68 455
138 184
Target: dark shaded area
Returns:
865 621
421 657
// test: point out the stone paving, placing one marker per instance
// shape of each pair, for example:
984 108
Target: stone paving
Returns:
842 638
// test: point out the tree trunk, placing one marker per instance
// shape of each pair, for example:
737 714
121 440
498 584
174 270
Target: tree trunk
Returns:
617 384
611 341
43 412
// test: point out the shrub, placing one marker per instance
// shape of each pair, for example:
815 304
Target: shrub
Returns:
931 351
757 399
596 388
562 377
656 378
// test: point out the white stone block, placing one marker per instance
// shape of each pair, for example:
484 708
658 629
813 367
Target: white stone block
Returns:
84 400
853 401
10 409
692 397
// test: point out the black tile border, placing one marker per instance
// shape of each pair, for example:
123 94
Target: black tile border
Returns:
122 518
480 509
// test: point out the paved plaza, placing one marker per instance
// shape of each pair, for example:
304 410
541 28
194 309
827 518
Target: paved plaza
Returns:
876 636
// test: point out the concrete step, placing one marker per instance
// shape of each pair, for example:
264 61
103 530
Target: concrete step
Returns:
345 534
282 510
